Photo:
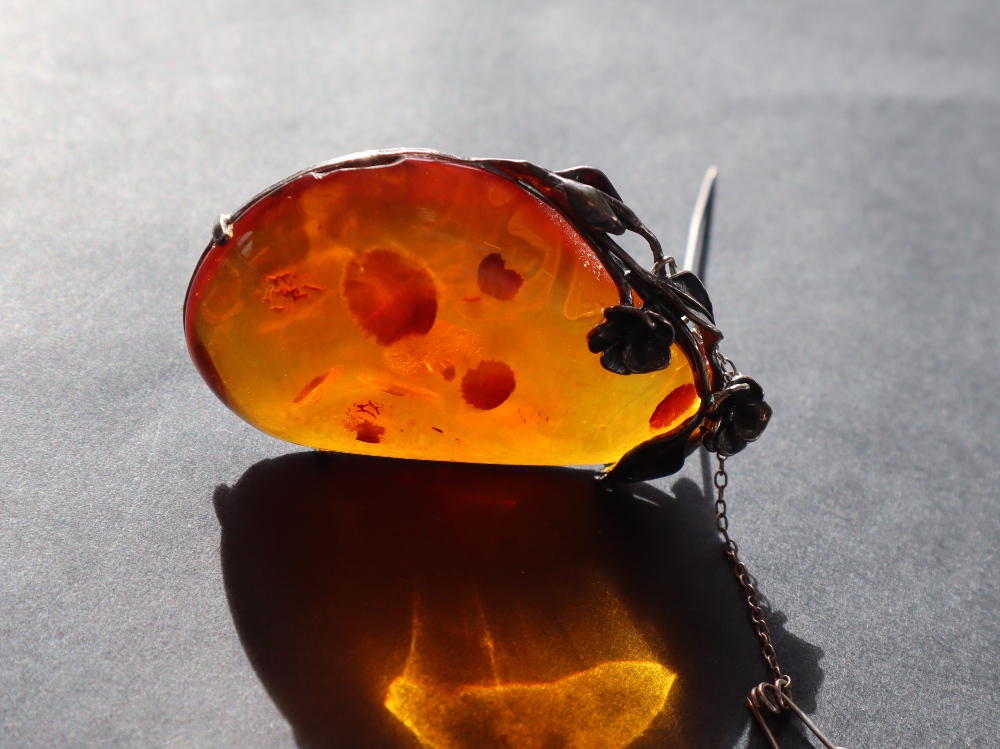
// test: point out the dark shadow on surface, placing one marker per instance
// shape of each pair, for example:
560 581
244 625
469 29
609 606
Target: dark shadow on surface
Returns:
323 556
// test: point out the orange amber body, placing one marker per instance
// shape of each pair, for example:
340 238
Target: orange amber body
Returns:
421 309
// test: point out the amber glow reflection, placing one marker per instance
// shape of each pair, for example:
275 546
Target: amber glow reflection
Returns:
404 604
605 706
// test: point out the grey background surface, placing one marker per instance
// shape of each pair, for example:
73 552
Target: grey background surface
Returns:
855 266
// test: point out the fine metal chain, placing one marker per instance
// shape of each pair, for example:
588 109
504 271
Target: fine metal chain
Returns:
742 575
774 696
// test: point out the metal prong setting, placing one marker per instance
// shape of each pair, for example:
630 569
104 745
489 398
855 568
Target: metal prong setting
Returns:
222 232
667 267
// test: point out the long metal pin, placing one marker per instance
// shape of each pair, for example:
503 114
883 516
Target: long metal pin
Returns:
809 724
763 726
696 260
696 252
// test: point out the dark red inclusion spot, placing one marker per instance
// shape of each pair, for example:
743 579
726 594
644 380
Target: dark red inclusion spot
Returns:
677 402
488 385
314 383
439 431
390 296
370 408
496 280
369 432
448 373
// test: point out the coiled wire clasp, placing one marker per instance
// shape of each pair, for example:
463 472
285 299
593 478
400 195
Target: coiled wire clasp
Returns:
777 698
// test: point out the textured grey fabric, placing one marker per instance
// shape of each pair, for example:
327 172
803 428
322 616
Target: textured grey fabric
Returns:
854 271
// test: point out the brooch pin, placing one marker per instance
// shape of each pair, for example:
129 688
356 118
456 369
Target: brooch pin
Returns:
414 304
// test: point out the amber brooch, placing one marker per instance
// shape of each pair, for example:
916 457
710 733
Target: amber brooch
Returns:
413 304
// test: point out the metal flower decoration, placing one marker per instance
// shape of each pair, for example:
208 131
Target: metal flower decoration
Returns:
741 416
632 340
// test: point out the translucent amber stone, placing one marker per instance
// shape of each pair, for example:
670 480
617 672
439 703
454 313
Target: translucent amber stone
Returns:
422 309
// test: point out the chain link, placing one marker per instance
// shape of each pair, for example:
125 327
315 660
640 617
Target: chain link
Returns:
721 481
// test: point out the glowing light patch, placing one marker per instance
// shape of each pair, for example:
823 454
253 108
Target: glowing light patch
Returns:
605 707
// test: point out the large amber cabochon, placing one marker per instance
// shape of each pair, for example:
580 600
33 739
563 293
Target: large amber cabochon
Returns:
423 309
